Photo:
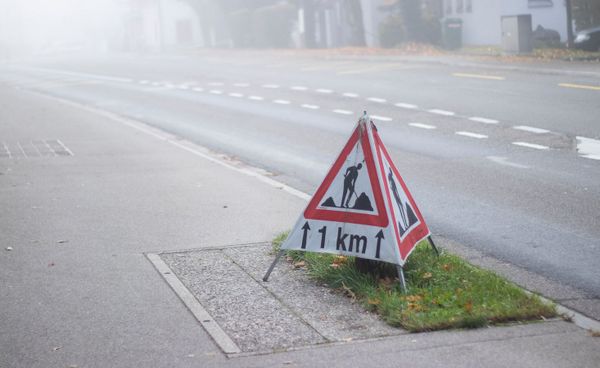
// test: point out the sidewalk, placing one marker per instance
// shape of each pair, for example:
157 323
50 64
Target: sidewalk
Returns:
78 291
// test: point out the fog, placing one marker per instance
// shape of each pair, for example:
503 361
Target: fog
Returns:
41 27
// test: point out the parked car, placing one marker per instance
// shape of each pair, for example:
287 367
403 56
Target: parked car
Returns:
588 39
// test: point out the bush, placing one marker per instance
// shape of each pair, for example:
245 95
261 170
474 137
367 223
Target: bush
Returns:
391 31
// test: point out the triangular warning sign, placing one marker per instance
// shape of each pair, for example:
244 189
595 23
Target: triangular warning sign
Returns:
363 207
350 192
407 221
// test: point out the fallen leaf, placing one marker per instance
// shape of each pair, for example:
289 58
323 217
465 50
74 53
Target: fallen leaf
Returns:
427 275
56 348
469 306
374 301
299 264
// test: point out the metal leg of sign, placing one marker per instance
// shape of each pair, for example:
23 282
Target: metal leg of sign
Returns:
402 280
437 253
266 278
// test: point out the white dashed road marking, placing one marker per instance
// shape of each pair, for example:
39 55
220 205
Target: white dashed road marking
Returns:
271 86
380 118
422 126
531 145
198 89
299 88
406 105
504 161
479 76
324 90
471 135
311 107
237 95
216 92
215 84
343 112
256 98
350 94
441 112
530 129
241 85
483 120
588 148
377 99
282 102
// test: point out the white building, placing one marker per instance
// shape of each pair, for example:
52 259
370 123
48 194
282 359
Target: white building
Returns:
154 25
481 18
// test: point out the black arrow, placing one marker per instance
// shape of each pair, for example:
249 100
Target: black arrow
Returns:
305 228
379 236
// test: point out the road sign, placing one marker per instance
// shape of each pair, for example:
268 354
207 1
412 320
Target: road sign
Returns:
363 207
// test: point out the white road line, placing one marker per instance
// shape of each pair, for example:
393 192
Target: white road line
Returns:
471 135
50 148
236 95
241 84
7 150
271 86
406 105
531 129
380 118
531 145
324 90
216 84
198 89
298 88
256 98
143 81
504 161
441 112
215 92
422 126
588 148
480 76
157 84
311 107
282 102
350 94
483 120
377 99
65 147
183 86
343 112
22 150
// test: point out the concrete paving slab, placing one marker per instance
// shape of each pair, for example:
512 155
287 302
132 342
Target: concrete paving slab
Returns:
289 311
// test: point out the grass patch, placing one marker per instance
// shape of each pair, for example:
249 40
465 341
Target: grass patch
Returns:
444 292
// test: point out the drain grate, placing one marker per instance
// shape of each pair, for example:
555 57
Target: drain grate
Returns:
34 148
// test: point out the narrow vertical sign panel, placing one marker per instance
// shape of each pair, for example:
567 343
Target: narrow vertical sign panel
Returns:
363 207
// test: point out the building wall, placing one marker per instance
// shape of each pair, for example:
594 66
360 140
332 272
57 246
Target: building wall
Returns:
481 26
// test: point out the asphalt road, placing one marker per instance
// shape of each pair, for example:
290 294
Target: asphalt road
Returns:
489 152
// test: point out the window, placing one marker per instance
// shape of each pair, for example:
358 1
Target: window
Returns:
448 7
469 6
540 3
459 6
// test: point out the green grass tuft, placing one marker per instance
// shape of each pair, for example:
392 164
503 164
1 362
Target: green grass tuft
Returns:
444 292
